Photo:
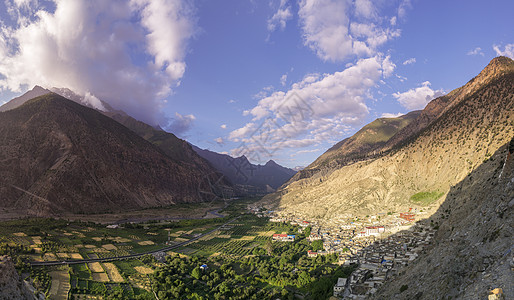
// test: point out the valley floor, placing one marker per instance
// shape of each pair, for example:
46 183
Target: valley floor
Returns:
239 260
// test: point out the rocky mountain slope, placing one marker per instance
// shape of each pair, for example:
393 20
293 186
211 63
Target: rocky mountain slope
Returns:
263 178
472 252
452 136
367 142
35 92
57 156
11 286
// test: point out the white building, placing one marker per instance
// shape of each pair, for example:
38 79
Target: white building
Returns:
339 287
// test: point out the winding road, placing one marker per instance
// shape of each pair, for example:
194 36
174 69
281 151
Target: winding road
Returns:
81 261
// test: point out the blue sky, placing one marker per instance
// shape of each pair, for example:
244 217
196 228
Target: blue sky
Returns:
277 79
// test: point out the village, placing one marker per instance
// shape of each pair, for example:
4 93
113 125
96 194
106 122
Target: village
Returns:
380 245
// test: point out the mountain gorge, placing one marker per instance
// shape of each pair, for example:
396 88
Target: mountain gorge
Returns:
248 178
57 156
438 147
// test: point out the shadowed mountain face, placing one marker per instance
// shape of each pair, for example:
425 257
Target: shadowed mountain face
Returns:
471 252
58 156
243 173
447 140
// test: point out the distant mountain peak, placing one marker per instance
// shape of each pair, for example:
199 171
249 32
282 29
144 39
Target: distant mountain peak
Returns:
501 61
36 91
496 67
271 162
39 88
241 171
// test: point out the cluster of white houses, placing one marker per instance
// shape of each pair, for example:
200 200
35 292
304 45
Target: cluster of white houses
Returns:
368 243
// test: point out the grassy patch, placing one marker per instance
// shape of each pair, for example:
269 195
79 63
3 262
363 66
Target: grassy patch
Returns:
426 198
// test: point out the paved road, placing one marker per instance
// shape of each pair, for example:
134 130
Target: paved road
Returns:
81 261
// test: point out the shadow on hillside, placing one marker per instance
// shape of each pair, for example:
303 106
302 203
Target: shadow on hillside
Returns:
464 241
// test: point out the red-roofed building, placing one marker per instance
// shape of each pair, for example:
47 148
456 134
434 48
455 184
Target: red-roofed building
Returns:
407 216
311 253
283 237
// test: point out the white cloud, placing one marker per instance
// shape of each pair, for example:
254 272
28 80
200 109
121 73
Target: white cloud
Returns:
508 50
219 140
96 47
392 21
281 16
264 92
223 126
365 8
317 109
332 28
410 61
390 115
180 124
402 9
476 51
283 80
418 98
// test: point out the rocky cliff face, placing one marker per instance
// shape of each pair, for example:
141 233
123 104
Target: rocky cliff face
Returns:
472 252
448 140
57 156
11 286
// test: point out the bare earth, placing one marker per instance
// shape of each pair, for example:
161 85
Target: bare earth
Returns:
113 273
60 285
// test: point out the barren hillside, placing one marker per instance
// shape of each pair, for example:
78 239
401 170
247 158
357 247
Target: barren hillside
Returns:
430 157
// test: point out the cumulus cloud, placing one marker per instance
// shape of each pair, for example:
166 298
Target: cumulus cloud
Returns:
280 17
180 124
418 98
127 53
409 61
219 140
317 109
507 51
476 51
365 8
337 29
223 126
390 115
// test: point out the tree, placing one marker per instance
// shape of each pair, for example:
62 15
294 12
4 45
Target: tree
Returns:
268 247
317 245
196 273
307 231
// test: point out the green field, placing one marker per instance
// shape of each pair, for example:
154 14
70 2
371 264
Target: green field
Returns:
426 198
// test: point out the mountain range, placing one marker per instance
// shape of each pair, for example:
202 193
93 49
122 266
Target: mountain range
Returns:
69 156
391 163
59 156
260 179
